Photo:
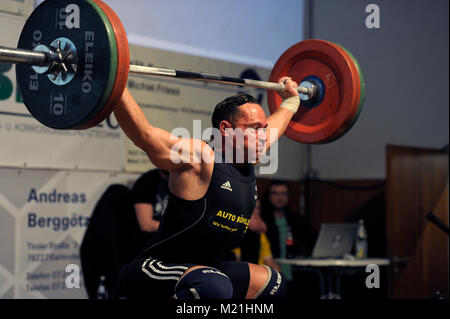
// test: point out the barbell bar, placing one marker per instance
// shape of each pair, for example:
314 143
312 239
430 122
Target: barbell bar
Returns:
45 59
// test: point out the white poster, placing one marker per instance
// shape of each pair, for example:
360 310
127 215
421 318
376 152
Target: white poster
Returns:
43 217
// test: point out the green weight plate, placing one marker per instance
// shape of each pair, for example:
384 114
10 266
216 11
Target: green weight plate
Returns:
362 93
363 84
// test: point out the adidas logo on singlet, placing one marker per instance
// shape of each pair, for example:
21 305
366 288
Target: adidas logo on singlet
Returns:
227 186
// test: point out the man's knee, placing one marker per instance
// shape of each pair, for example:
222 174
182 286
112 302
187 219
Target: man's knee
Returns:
274 286
204 283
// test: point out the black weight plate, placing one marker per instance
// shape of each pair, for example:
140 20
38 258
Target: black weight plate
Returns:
70 105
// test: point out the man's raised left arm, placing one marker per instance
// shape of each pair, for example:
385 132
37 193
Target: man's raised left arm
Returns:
280 119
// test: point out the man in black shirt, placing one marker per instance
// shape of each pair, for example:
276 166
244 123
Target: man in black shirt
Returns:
212 196
150 195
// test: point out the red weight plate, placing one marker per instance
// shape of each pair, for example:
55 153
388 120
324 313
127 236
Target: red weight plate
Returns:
327 62
123 65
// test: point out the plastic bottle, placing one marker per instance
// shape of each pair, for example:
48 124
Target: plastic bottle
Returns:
361 241
289 245
101 290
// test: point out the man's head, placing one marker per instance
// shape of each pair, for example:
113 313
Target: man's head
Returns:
240 116
279 194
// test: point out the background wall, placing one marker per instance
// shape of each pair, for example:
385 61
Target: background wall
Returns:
405 65
253 32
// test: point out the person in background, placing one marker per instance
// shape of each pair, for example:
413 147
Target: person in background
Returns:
121 225
255 246
150 195
289 234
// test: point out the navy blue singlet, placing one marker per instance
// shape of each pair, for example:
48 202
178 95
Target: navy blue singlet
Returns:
204 231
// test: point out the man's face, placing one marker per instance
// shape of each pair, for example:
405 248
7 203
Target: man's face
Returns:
249 134
279 196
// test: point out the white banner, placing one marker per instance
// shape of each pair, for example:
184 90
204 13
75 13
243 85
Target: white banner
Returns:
43 217
24 142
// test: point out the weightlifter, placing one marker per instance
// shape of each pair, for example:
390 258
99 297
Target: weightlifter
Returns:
210 204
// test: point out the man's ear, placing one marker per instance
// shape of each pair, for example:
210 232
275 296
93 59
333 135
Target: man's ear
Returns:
223 126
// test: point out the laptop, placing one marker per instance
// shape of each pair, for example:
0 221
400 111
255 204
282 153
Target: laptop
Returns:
335 240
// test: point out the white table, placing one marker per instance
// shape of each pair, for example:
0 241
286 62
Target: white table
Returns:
334 269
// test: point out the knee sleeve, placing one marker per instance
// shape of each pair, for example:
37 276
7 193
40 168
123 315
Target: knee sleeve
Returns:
274 287
204 283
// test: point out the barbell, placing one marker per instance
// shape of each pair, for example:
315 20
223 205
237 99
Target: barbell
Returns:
79 57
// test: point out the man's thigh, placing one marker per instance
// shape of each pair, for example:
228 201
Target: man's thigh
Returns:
150 277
